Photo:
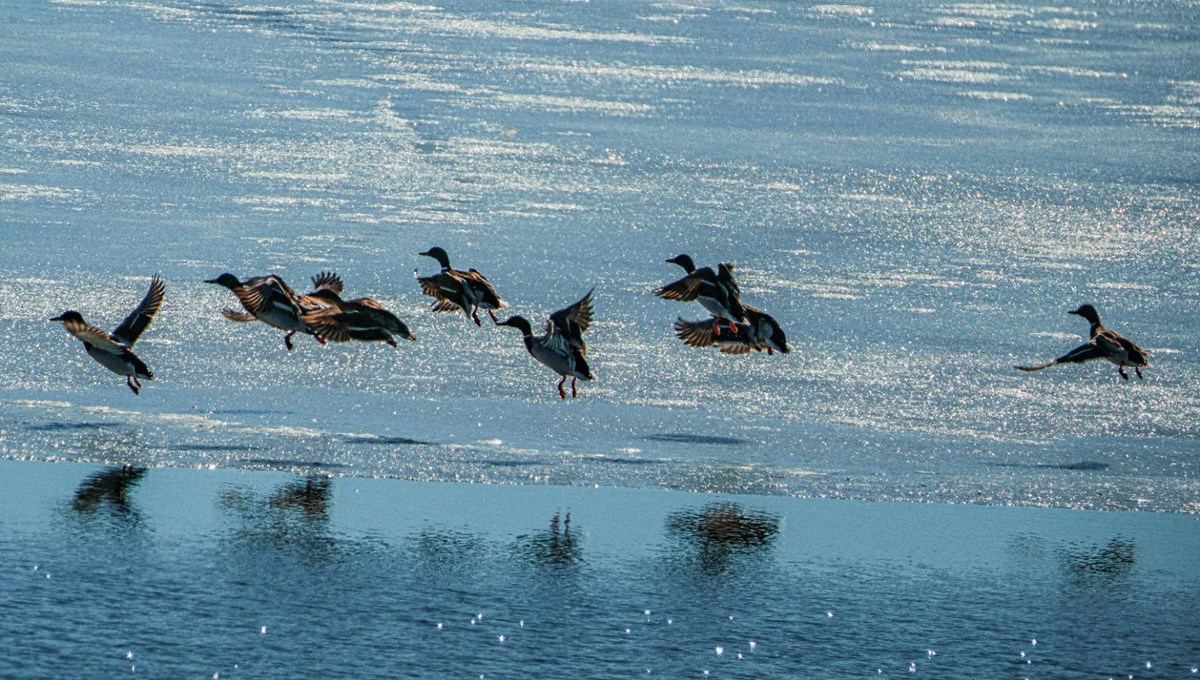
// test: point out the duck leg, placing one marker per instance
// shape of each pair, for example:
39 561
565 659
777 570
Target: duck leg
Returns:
562 394
391 341
1121 370
573 392
287 340
1138 371
732 327
493 315
129 383
716 326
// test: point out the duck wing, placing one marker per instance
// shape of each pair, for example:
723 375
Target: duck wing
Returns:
700 334
683 290
573 321
266 294
328 281
139 319
1085 352
483 289
95 337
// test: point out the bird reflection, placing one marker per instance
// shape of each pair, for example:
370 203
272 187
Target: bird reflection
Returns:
293 518
721 533
556 546
310 497
107 491
1113 560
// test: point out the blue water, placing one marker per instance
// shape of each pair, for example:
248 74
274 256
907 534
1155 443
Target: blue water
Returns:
237 574
918 192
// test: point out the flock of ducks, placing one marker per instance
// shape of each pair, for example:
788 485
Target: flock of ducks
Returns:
323 312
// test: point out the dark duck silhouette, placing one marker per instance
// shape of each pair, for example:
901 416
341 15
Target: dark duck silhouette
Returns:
456 290
1103 344
716 291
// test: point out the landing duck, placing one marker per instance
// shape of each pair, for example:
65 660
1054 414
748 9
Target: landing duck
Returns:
1103 344
114 351
716 291
760 333
561 347
361 319
269 300
456 290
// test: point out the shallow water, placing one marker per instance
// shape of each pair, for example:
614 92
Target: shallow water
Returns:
181 573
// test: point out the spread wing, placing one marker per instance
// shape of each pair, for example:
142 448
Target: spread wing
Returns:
700 334
683 290
234 315
328 281
95 337
1085 352
139 319
270 292
573 321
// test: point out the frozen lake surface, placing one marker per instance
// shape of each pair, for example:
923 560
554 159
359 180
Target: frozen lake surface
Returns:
918 192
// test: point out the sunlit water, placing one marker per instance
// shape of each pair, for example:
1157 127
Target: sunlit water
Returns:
918 192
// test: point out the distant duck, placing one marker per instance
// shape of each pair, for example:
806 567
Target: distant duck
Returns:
115 351
717 292
270 300
455 290
561 347
760 333
361 319
1104 344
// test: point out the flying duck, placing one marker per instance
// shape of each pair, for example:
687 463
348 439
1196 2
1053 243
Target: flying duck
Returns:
561 347
1104 344
270 300
360 319
716 291
115 351
760 332
455 290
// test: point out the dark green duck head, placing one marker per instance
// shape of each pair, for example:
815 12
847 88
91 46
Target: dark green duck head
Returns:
684 261
1088 312
518 322
228 280
438 254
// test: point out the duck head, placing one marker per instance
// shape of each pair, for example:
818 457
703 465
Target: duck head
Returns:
518 322
228 280
684 261
69 315
1088 312
438 254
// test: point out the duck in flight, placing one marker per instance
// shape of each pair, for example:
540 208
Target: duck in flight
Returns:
760 333
114 351
1103 344
561 347
269 300
456 290
341 320
717 291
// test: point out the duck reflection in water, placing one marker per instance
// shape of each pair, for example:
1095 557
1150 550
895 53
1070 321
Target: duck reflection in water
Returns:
309 497
107 491
293 518
1100 565
554 547
721 534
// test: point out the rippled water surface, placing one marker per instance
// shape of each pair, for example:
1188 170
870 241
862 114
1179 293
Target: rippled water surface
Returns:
235 574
